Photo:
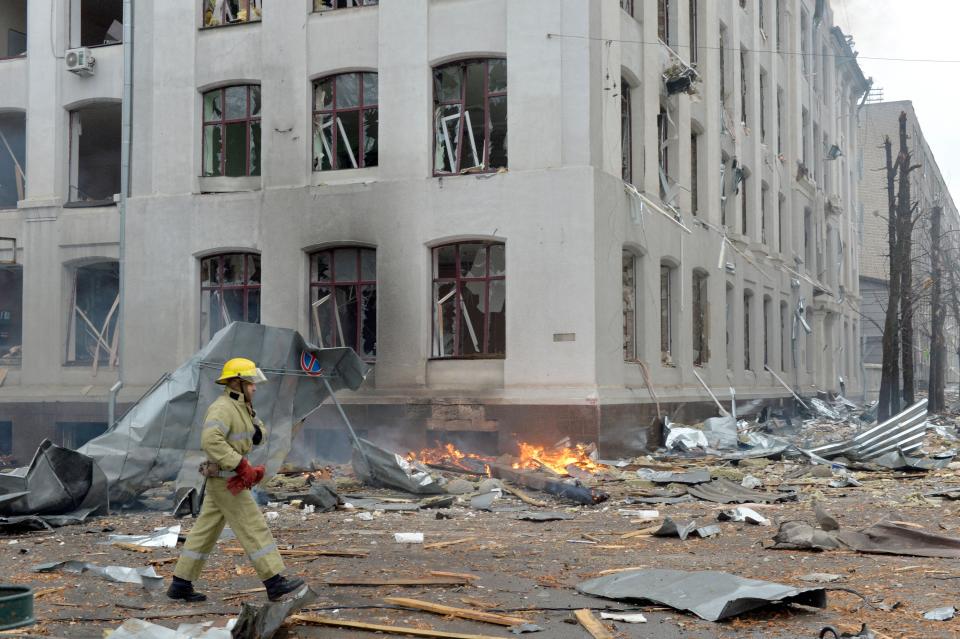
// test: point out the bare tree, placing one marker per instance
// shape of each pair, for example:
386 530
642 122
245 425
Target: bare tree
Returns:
905 222
889 402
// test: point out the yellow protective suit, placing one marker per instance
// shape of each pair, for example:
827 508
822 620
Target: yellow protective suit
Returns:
228 434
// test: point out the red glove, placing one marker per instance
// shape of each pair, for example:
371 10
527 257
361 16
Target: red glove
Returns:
235 485
247 476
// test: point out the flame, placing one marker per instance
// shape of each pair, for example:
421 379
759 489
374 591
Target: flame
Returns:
450 455
557 460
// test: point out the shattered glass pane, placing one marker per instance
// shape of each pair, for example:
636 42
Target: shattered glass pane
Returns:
448 137
473 260
233 274
368 265
323 94
212 150
345 265
498 132
253 269
208 272
348 139
253 306
231 307
213 105
370 134
472 153
448 83
498 261
445 261
254 148
96 289
497 337
321 267
236 152
498 75
368 322
347 311
370 89
444 319
210 17
348 90
475 84
254 101
473 295
323 316
322 143
236 101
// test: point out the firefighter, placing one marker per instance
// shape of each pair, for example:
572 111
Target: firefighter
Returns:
230 430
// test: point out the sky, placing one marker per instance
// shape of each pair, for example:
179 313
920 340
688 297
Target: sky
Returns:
916 29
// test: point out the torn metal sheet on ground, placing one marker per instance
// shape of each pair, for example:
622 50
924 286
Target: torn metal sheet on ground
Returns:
147 577
896 460
882 538
742 513
262 622
698 476
724 491
379 467
670 528
161 538
903 432
140 629
708 594
572 491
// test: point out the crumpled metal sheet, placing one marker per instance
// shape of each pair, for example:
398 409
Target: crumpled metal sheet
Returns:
262 622
896 460
724 491
161 538
903 432
379 467
882 538
699 476
721 433
742 513
159 438
59 486
140 629
147 577
710 595
685 438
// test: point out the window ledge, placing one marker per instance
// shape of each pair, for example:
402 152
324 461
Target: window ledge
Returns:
214 27
345 176
230 184
89 205
22 56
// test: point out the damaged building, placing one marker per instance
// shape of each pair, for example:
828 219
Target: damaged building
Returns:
929 190
548 247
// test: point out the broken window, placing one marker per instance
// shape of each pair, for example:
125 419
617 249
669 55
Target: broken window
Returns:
630 353
744 221
663 151
761 17
731 305
666 314
781 200
11 314
220 12
724 178
12 152
781 27
779 120
95 23
343 299
626 133
723 65
95 154
701 319
469 300
470 116
663 20
805 126
231 131
327 5
345 122
694 27
809 342
784 335
694 174
229 291
808 238
627 5
764 196
73 435
747 299
763 107
767 325
804 42
92 323
743 86
13 28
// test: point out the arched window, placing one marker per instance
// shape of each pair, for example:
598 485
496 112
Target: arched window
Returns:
345 121
631 274
470 116
701 318
229 291
667 316
343 299
747 303
626 132
231 131
469 300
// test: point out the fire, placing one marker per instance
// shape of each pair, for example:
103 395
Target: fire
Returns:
450 456
533 457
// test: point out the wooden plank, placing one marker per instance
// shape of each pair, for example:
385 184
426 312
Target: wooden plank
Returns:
319 620
524 497
287 552
444 544
592 624
456 575
133 547
398 581
449 611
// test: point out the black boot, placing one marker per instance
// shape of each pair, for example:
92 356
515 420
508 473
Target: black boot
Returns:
183 589
278 586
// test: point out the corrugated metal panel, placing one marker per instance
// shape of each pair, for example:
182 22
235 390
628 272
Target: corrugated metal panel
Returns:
903 432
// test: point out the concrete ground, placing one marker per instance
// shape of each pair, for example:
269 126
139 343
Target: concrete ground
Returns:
525 567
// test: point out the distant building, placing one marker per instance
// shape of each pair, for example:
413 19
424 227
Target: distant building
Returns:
528 215
928 189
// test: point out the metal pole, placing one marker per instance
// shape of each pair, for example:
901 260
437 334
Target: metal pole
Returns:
343 416
126 128
784 384
723 411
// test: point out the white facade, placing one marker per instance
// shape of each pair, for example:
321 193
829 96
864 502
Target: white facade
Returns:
560 208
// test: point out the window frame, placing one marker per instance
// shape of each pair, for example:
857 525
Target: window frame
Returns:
626 132
362 5
358 284
747 309
700 309
246 286
667 316
75 321
487 96
361 108
248 119
457 280
246 6
630 264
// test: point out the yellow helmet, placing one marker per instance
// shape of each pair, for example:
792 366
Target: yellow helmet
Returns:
241 368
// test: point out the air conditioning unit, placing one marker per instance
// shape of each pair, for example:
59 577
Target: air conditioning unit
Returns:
80 61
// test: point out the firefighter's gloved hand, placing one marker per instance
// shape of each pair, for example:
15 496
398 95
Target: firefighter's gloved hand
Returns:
258 476
235 485
247 473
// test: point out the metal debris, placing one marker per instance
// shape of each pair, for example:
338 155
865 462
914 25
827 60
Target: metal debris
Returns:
147 577
903 432
698 476
882 538
262 622
742 513
162 538
724 491
941 614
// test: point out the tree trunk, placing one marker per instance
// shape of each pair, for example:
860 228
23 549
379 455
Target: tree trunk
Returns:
938 347
889 403
905 242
